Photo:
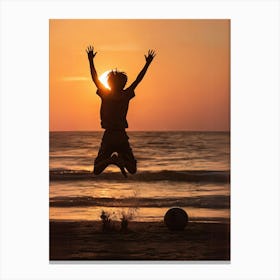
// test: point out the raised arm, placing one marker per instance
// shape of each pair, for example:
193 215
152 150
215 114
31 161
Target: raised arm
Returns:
91 55
149 58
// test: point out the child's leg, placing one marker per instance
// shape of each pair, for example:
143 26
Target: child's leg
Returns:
101 163
103 158
130 162
125 153
99 166
118 161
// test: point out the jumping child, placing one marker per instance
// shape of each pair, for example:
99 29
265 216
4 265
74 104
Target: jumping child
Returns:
115 148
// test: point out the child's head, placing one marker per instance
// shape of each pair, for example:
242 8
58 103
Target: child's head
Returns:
116 80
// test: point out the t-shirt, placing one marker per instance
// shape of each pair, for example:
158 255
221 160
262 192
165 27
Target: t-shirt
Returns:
114 107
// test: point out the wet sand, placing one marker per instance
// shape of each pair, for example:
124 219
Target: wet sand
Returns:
85 240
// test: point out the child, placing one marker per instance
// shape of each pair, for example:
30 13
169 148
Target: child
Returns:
113 113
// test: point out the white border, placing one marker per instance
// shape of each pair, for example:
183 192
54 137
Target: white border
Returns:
254 130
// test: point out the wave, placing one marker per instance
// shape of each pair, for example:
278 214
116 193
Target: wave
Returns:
210 201
144 176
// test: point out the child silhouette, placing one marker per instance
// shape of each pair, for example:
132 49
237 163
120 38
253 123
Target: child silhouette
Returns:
113 111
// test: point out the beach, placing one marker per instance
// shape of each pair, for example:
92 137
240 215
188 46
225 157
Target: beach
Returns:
189 170
150 241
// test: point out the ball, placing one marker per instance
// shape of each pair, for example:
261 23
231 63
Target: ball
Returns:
176 219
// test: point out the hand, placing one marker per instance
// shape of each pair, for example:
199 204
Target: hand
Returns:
90 52
150 56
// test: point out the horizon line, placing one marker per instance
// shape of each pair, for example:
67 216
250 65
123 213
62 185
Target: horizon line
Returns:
148 130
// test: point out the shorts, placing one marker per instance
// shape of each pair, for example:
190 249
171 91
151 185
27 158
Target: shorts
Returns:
116 141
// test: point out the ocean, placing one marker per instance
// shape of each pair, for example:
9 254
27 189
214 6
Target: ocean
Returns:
183 169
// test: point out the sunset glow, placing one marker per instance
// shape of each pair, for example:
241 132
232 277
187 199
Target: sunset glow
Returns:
103 79
187 86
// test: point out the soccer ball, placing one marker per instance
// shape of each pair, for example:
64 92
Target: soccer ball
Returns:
176 219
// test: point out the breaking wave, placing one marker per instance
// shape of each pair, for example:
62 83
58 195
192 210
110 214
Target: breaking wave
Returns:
210 201
144 176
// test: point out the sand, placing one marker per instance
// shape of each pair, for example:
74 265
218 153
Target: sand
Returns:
85 240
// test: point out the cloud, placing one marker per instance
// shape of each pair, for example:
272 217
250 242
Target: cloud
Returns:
75 79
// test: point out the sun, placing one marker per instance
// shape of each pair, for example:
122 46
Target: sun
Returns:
103 78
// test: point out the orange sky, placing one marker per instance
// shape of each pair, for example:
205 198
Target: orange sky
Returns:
187 86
